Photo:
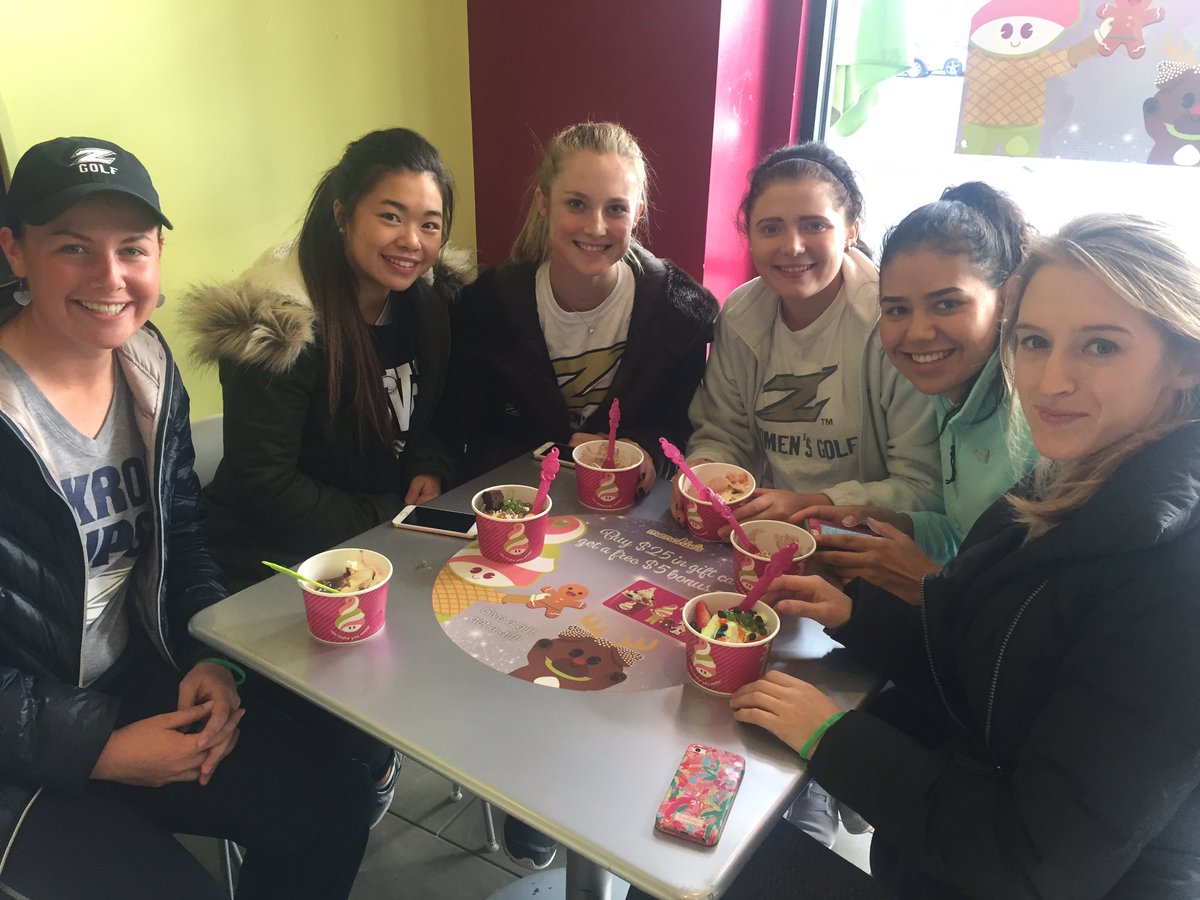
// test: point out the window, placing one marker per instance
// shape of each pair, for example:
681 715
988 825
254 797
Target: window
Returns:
1021 94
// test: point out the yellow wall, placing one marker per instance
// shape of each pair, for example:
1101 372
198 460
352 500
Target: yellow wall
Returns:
236 107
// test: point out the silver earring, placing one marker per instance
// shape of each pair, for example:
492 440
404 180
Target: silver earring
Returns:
22 296
160 302
341 230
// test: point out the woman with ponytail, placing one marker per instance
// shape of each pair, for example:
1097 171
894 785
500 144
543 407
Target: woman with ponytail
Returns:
942 278
798 389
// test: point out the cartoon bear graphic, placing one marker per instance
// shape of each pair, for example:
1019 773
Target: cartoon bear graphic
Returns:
1173 115
576 660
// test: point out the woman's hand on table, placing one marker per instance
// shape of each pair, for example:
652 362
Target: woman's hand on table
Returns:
852 516
787 707
809 597
422 489
776 505
890 559
208 683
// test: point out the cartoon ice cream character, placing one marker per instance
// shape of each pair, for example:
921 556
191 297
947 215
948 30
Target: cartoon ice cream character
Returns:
1008 65
747 573
693 516
516 543
607 492
350 618
702 660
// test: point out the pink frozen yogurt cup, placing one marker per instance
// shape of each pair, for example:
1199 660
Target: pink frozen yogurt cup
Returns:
510 540
720 668
351 617
607 489
768 536
702 520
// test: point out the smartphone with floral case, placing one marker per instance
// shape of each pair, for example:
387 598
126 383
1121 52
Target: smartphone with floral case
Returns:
701 794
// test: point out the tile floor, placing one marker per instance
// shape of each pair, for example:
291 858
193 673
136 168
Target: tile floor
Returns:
434 848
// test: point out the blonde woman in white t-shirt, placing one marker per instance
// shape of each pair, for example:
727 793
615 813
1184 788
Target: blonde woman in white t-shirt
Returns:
579 315
797 389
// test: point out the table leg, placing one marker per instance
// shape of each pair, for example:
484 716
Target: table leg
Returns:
582 879
586 880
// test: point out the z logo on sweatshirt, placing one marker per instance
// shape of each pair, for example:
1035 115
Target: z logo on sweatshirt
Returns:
800 404
584 379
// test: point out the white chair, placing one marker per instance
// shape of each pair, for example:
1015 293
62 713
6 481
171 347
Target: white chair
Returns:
209 440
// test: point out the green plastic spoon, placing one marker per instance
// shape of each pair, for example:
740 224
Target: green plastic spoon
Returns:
324 588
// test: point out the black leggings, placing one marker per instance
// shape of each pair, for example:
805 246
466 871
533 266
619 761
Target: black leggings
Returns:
301 810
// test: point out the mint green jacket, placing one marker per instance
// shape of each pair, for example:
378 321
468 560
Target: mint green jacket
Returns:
977 465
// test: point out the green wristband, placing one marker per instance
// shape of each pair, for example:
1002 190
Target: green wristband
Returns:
818 734
239 674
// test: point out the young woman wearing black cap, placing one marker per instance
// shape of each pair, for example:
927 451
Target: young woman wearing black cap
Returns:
119 729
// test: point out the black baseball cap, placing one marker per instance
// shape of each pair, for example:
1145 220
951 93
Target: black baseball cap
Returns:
55 175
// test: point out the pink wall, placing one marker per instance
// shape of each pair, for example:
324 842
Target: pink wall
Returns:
753 114
540 65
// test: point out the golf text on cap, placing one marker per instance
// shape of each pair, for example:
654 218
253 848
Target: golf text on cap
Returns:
95 159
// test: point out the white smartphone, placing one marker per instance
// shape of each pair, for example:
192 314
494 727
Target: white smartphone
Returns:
436 521
564 453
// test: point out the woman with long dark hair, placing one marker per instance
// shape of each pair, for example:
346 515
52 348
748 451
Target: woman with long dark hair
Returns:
333 353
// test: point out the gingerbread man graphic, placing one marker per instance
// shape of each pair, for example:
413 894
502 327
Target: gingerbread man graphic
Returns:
555 600
1129 17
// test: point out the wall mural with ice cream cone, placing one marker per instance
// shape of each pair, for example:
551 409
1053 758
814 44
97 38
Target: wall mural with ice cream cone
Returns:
598 610
1112 81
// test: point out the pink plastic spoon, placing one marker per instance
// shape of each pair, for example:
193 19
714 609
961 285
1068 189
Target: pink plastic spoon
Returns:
614 419
671 452
549 470
781 559
719 504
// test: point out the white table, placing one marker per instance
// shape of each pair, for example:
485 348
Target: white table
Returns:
587 768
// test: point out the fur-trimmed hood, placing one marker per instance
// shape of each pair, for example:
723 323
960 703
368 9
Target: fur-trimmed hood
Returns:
265 317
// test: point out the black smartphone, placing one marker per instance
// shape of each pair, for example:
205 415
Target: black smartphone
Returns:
436 521
565 452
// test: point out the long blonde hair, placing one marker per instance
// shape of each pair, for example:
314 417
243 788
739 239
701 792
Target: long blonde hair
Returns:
1136 259
533 242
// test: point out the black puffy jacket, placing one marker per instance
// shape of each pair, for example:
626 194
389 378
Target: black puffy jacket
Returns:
503 399
1061 755
51 730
